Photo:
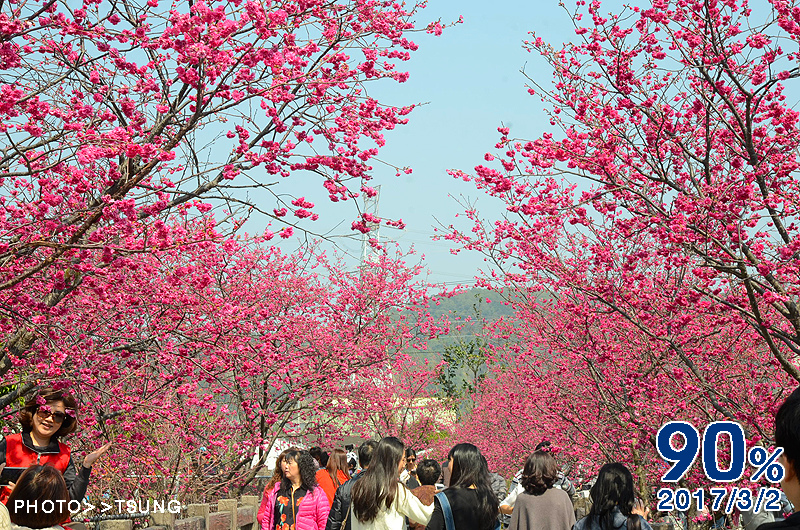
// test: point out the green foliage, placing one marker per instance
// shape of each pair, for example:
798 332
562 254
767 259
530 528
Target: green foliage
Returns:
464 305
5 390
465 353
465 368
466 356
434 436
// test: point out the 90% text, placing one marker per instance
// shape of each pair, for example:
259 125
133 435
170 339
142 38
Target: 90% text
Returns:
682 459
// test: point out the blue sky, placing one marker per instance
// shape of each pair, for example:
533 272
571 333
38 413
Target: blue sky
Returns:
469 79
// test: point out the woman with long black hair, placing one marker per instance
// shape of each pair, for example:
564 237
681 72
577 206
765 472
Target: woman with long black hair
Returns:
380 500
614 505
470 497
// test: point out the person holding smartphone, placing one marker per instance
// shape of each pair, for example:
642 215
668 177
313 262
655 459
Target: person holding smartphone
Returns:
45 419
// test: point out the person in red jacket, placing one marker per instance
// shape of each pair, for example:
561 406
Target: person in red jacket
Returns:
334 475
45 419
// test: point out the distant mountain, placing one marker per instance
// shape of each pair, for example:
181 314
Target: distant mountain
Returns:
468 310
489 304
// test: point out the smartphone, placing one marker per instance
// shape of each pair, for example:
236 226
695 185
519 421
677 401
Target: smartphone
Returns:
10 474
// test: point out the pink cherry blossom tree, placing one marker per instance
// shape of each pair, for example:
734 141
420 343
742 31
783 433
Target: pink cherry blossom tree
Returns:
137 139
650 237
399 399
229 345
120 119
677 143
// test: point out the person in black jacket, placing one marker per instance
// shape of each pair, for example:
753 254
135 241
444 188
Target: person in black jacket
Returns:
409 475
341 499
787 436
473 503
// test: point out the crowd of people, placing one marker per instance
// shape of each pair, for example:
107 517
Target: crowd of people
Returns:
382 487
389 490
392 491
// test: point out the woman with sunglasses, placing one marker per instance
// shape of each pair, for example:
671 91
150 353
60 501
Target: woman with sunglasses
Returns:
409 475
46 419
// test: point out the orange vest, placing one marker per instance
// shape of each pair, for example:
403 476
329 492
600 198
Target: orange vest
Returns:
328 486
18 454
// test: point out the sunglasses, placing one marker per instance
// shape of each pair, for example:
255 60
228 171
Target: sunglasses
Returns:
45 412
411 459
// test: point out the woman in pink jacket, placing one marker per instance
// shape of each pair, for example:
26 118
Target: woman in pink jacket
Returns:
277 476
296 502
